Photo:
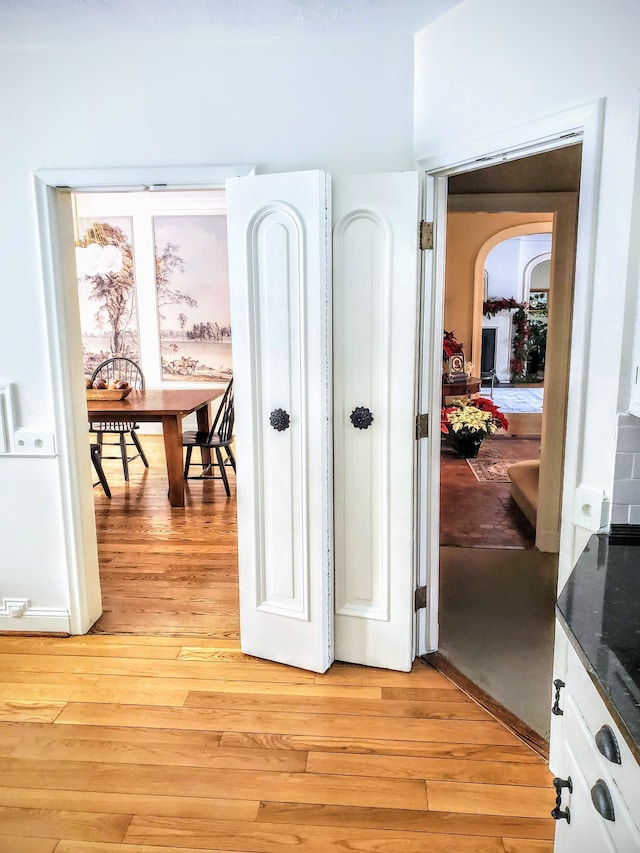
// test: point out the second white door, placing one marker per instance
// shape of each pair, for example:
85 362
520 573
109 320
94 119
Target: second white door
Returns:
375 321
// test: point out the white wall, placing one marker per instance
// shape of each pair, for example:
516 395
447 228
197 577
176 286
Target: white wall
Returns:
506 265
481 70
342 105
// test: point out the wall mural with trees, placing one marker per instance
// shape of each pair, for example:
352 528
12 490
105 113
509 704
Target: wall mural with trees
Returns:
172 270
192 288
106 292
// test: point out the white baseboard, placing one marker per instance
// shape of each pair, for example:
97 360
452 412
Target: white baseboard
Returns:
17 614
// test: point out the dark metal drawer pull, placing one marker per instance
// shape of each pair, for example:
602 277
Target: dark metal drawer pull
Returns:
361 418
607 744
557 710
279 420
557 813
601 799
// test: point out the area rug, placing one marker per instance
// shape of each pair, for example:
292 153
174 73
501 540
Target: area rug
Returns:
491 471
517 398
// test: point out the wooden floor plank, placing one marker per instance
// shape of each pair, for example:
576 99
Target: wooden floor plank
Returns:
526 845
436 749
53 693
113 665
452 823
92 644
266 838
443 769
420 676
82 647
82 847
258 688
345 725
488 799
178 739
56 823
165 754
428 709
17 844
198 782
28 711
118 803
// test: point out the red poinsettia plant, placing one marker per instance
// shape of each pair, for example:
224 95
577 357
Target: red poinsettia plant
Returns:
467 415
450 345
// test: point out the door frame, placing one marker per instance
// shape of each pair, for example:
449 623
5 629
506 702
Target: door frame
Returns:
582 124
55 232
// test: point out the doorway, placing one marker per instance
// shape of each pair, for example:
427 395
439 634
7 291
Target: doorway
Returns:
53 194
161 299
498 575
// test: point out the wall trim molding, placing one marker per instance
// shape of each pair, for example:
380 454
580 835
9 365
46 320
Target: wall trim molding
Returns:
17 614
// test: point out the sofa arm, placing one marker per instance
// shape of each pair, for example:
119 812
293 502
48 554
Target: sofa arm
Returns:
524 487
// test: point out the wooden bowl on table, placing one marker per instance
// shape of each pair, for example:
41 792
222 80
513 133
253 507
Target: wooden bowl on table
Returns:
108 393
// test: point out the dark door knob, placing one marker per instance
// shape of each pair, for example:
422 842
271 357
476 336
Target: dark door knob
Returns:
361 418
279 420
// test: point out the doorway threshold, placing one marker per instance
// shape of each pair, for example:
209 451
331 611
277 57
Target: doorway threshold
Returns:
537 743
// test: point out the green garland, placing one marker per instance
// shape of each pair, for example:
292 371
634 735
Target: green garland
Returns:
521 332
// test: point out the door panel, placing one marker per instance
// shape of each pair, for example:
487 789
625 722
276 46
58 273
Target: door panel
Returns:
375 325
280 308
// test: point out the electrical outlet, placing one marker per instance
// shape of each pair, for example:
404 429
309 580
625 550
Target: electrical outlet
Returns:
33 443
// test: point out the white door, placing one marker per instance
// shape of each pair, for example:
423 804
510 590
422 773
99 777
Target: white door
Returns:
279 260
376 309
281 312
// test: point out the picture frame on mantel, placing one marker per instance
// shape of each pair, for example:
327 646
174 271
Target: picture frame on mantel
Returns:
538 301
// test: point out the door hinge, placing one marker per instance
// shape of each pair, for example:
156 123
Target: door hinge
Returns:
426 235
422 426
420 598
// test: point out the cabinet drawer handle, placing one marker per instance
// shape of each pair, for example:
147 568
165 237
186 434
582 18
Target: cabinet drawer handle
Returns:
601 799
607 744
557 813
557 710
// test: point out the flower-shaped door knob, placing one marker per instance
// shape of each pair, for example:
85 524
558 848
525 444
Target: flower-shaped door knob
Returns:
279 420
361 418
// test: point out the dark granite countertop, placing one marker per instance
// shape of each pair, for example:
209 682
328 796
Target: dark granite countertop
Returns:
600 610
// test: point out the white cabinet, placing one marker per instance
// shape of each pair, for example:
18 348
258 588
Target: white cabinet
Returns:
602 800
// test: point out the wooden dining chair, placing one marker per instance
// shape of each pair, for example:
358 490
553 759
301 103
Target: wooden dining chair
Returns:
96 458
218 439
113 370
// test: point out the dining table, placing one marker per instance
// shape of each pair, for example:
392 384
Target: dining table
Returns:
169 406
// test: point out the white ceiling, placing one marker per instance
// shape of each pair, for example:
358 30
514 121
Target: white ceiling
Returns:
33 22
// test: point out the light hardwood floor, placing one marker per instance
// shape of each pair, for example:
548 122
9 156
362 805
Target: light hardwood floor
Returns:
166 744
166 570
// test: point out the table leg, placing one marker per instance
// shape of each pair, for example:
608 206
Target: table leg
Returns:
202 415
172 432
